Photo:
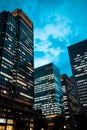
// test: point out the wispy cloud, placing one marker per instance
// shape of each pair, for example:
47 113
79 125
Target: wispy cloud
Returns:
43 45
59 29
49 56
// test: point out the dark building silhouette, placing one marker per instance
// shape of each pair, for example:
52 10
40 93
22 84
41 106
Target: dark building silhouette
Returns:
81 121
59 123
69 99
16 54
78 59
16 71
23 58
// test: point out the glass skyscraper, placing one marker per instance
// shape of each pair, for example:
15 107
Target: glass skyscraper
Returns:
47 90
16 56
16 70
69 99
23 58
7 46
78 59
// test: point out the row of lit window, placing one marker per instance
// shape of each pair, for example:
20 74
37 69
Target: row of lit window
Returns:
46 77
9 51
83 92
48 108
29 51
79 67
83 100
81 84
9 37
83 96
46 97
6 60
80 81
25 95
81 74
6 75
80 89
27 27
43 87
42 82
8 55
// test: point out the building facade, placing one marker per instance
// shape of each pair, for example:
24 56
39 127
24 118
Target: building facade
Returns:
7 46
69 99
78 59
47 91
23 58
16 69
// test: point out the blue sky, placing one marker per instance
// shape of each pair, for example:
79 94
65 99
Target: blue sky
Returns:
57 24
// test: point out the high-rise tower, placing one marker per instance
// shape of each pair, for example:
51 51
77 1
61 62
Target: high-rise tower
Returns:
78 59
48 91
23 58
16 54
16 70
70 100
7 47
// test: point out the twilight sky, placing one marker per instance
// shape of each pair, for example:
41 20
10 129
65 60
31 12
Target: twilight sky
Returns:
57 24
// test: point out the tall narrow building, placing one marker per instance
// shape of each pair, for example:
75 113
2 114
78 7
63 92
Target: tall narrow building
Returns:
70 100
78 59
23 58
16 70
7 47
16 56
48 91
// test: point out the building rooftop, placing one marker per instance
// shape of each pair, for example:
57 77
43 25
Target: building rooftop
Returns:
19 12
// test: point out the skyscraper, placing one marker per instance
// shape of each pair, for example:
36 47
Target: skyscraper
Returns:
16 69
16 54
7 46
70 100
23 58
78 59
47 90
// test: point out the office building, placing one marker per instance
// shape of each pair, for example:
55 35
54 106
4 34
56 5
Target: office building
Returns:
7 46
78 59
16 68
23 58
48 91
69 99
16 54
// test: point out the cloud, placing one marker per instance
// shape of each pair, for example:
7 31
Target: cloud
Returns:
42 46
49 56
41 61
47 48
59 29
50 53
